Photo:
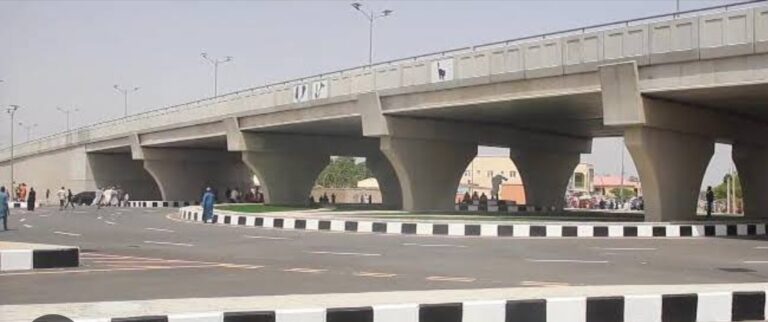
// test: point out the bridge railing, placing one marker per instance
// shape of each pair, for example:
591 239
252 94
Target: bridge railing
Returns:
733 29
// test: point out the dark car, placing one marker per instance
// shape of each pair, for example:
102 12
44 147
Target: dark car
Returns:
84 198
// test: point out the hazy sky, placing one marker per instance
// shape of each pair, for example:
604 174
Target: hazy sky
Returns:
70 53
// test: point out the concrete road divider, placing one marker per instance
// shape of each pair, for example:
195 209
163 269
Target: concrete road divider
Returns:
24 256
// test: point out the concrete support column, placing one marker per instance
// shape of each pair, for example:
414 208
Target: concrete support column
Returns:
671 167
186 180
286 177
118 169
545 175
752 166
428 170
391 194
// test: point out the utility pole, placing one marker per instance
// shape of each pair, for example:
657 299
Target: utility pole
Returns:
621 188
215 62
66 112
12 111
371 16
125 91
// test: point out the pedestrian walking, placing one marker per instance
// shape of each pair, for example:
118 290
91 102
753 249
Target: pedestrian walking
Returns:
31 198
207 203
710 201
47 197
126 199
4 210
69 199
62 194
97 198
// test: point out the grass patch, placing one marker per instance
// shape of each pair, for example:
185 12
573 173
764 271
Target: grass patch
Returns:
258 208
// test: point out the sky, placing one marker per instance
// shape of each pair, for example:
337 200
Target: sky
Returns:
69 54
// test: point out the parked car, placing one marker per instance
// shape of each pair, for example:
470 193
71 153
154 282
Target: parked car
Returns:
84 198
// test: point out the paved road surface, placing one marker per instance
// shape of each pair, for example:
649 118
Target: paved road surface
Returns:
137 254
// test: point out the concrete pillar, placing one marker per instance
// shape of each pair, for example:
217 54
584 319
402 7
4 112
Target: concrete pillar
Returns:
428 170
118 169
752 166
183 175
671 167
391 194
545 175
286 177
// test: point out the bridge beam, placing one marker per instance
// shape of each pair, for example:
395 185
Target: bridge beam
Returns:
671 143
429 156
288 165
119 170
183 174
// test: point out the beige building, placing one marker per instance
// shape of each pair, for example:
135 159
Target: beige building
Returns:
479 173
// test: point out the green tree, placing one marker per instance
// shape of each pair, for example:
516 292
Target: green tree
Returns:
721 190
627 193
343 172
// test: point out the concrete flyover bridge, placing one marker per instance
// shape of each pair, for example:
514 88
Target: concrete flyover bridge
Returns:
671 85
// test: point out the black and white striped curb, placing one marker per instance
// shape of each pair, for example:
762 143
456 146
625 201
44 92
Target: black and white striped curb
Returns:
20 204
485 229
495 206
26 259
160 204
709 307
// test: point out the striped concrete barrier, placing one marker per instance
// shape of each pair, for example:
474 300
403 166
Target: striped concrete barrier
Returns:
22 256
629 229
710 307
160 204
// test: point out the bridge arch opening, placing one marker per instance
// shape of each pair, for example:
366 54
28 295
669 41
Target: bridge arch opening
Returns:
357 182
722 175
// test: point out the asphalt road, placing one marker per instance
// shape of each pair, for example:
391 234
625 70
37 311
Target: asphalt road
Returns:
138 254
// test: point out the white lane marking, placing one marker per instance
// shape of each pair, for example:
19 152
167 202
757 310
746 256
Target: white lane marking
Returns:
241 266
109 222
305 270
434 245
99 217
627 248
160 229
22 219
265 237
543 283
451 279
345 253
373 274
43 215
755 262
761 247
66 233
167 243
27 226
566 261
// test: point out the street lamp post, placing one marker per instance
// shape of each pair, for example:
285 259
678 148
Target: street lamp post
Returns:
66 112
12 110
125 92
215 62
29 128
371 16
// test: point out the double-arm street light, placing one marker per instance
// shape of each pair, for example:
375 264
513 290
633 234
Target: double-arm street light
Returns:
371 16
215 62
29 128
125 91
66 112
12 111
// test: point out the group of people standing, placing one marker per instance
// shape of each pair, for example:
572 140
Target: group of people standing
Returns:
234 195
111 197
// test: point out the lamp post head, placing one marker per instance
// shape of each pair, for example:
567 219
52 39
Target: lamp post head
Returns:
204 54
227 59
356 5
387 12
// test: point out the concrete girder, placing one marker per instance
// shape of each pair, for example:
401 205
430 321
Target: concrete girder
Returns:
624 105
182 174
